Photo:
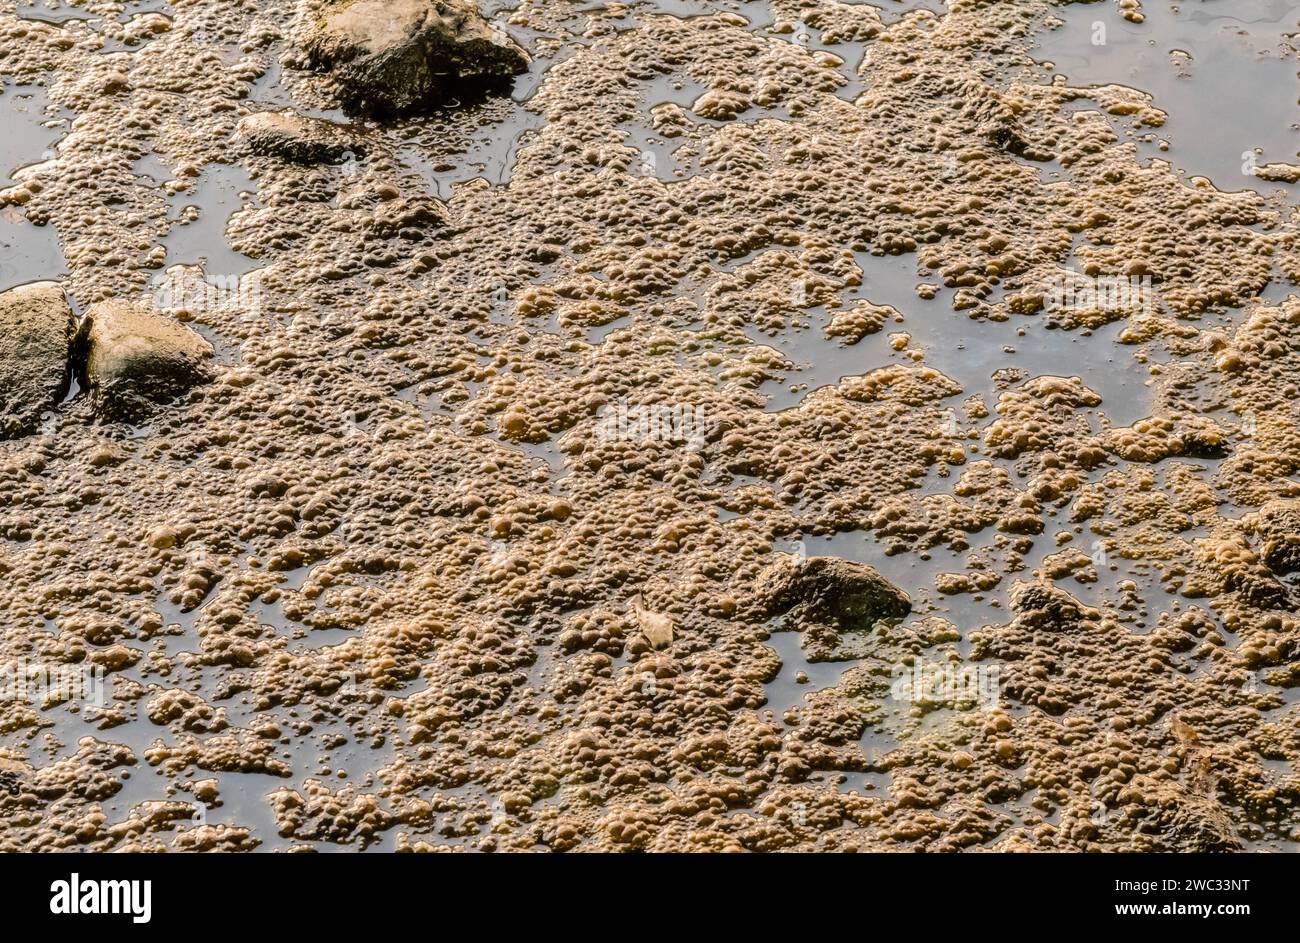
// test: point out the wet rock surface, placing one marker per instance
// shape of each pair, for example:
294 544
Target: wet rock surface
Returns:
36 328
393 56
293 137
852 595
136 358
509 416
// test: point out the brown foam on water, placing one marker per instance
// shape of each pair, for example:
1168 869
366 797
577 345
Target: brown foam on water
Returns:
400 536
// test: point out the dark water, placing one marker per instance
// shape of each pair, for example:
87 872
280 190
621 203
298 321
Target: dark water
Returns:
27 252
222 190
968 351
1236 93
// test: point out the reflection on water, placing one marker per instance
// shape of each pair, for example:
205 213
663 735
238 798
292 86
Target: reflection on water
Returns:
1224 72
967 351
27 252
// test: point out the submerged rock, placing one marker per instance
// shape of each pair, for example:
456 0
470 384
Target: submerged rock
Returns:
997 121
1178 819
401 55
36 328
1044 605
293 137
852 595
136 359
1278 525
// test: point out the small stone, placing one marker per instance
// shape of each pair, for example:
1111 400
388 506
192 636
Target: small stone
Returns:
851 594
292 137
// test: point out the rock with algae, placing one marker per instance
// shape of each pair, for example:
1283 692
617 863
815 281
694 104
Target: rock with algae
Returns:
852 595
394 56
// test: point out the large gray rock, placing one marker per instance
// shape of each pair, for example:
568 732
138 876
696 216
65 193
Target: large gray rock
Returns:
136 359
292 137
850 595
392 56
36 328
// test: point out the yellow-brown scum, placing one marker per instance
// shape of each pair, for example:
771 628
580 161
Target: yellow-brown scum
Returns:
465 540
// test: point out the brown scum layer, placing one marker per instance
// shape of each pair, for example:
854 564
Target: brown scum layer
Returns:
376 581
